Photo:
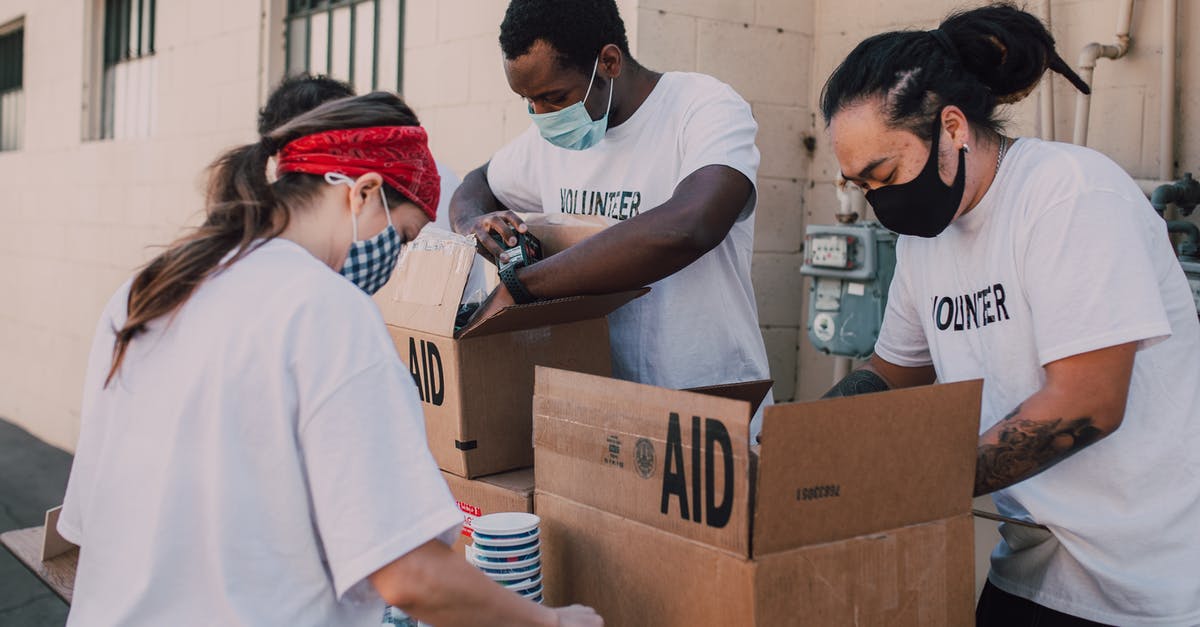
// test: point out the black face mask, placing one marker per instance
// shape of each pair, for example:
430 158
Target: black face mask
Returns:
924 206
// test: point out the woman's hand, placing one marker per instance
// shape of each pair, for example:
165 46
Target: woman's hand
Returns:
578 616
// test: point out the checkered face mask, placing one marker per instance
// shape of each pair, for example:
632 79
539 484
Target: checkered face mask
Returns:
370 262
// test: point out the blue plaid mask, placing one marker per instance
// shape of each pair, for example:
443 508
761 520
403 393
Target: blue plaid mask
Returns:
370 262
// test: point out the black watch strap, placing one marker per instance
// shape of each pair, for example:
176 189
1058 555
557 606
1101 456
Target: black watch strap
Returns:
515 288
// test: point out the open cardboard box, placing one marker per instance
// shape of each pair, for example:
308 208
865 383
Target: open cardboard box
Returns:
656 510
476 385
505 492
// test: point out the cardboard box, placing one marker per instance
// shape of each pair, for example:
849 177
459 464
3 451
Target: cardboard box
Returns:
476 385
505 492
560 231
657 511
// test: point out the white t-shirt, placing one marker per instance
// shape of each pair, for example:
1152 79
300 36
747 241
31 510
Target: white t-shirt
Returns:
1064 255
698 326
450 182
255 459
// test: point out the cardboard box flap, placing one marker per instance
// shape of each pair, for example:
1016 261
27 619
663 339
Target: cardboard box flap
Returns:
839 468
560 231
753 392
675 460
517 481
544 313
427 285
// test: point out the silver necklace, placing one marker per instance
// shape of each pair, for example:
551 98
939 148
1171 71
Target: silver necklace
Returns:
1003 151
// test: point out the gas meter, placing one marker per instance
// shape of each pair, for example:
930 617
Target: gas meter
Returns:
1192 270
851 266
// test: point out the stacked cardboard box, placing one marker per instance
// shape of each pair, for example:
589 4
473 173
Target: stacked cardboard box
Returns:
657 510
476 384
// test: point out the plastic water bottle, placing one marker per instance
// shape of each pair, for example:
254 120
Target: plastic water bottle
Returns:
395 617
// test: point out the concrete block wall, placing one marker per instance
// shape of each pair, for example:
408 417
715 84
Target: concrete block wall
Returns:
454 77
762 48
77 217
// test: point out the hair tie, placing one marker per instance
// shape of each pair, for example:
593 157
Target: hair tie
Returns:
269 145
944 41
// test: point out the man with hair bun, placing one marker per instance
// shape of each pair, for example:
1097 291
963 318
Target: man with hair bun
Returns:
670 156
1040 268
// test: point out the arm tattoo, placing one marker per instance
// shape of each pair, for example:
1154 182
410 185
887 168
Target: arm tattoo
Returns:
858 382
1027 447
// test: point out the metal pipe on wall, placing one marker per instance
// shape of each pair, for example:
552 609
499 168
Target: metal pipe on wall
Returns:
1087 66
1046 91
1166 146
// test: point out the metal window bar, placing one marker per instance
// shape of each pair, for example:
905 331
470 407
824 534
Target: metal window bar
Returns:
128 30
12 98
300 14
129 36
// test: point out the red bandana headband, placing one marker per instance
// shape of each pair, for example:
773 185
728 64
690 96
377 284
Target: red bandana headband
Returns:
400 154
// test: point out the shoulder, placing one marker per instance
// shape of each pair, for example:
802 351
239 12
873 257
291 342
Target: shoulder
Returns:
697 84
117 308
290 281
1058 172
694 92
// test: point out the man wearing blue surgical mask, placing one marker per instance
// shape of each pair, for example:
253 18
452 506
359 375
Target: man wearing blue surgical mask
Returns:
670 156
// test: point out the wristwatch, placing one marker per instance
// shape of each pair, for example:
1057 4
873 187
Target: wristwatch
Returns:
521 296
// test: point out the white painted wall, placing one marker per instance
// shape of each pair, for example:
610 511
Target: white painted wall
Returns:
76 217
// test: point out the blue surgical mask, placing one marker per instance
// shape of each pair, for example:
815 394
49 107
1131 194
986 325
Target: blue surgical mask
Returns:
573 127
370 262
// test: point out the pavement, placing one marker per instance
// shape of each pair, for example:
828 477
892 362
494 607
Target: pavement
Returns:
33 478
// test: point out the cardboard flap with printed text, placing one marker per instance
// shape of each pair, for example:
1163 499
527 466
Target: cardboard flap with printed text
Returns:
840 468
427 286
560 231
675 460
558 311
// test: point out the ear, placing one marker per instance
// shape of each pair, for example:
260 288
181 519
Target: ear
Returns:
611 61
365 188
954 123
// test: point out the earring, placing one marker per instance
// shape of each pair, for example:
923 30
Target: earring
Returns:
966 148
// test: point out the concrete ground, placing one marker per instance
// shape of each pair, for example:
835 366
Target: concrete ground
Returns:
33 477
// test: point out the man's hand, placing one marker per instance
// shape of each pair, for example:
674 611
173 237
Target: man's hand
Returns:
505 223
880 375
474 210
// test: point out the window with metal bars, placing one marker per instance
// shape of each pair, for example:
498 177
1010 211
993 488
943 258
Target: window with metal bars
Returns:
12 91
127 70
357 41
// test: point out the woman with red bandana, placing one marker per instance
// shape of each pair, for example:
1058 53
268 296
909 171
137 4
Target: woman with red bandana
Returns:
252 450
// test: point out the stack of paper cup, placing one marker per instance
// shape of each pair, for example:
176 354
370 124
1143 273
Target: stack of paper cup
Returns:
507 547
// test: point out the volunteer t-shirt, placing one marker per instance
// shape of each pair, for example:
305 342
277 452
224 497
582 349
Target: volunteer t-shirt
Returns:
699 326
260 453
1064 255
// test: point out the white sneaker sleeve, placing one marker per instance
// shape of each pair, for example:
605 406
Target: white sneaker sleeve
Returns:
376 492
513 176
1090 275
721 130
902 339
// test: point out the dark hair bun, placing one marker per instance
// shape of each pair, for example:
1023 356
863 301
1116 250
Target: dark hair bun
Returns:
1007 49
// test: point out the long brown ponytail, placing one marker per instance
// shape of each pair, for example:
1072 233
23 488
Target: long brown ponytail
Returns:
242 207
